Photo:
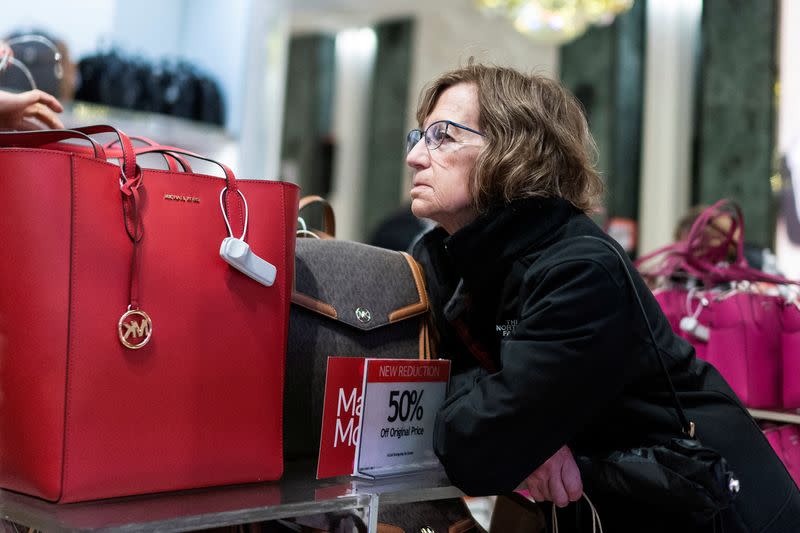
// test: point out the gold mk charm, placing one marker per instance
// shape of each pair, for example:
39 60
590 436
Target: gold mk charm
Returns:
134 333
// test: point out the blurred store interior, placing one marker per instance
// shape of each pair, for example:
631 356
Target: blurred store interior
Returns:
689 100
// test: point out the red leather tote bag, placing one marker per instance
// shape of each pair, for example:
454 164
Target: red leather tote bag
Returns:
133 359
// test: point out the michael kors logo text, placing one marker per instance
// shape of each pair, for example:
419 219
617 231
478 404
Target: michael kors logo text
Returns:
180 198
137 329
507 328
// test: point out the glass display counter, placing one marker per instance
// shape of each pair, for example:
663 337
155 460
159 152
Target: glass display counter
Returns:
297 494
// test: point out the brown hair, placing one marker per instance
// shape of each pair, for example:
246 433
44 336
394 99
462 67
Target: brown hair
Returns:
537 139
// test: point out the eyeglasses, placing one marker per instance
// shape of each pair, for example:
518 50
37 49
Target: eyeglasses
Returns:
435 134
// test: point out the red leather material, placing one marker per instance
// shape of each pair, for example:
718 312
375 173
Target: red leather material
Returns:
81 416
34 305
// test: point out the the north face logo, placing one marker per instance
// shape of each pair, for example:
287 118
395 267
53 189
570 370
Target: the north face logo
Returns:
507 328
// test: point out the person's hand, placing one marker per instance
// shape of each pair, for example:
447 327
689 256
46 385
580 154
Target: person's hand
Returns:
32 110
5 50
557 480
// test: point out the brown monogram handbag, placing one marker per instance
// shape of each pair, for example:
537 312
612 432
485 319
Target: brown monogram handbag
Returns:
349 299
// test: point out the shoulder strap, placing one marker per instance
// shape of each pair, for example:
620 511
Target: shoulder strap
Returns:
688 427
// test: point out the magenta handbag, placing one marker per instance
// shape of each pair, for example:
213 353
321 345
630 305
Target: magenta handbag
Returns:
785 440
739 332
790 446
790 351
744 344
682 306
736 317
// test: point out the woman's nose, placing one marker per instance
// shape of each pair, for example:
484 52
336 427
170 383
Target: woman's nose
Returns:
418 158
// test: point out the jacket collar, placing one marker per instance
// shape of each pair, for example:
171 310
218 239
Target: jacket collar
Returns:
487 246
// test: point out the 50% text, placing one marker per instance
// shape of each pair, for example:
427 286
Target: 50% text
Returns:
404 405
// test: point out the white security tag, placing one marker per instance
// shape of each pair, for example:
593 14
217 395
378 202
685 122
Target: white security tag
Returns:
688 323
693 327
238 254
701 332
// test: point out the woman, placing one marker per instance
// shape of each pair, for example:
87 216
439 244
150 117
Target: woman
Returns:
551 354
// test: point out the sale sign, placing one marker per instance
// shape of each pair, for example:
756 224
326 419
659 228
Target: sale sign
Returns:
341 416
401 398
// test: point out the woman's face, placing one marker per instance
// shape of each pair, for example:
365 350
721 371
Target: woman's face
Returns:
440 186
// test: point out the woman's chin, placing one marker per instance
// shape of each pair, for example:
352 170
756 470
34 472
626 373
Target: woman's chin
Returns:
420 208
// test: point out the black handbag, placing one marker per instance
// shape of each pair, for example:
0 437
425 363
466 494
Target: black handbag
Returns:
683 472
349 299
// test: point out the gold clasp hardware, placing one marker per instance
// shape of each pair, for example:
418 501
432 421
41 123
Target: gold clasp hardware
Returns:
128 328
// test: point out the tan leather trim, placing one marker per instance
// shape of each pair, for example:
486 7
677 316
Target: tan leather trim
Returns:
462 526
329 219
388 528
421 351
419 278
416 308
425 348
407 311
313 304
322 235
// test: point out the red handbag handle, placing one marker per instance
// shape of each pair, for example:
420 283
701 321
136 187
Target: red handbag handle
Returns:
128 163
173 160
230 178
48 138
43 138
234 205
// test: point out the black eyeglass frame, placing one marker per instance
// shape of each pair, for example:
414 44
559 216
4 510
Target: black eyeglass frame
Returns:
411 142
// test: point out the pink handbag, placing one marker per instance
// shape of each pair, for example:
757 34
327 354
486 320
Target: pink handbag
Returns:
744 345
678 304
785 440
790 447
737 320
790 349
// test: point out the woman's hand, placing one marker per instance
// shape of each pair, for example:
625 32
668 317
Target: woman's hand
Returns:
557 480
32 110
5 50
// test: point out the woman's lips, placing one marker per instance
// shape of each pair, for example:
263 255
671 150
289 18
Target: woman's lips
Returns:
419 187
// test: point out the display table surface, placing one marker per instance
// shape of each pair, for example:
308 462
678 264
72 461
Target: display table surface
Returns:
297 494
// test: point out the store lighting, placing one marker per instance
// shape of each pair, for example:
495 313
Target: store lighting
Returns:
556 21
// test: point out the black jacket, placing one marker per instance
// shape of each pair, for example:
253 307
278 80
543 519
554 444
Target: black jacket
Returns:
550 348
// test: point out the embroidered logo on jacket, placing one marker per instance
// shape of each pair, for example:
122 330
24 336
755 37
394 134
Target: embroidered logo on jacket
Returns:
507 328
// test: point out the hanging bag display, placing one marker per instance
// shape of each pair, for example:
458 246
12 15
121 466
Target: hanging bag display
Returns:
135 359
349 299
739 319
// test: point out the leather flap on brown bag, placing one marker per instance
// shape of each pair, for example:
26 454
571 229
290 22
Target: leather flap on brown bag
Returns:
356 284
